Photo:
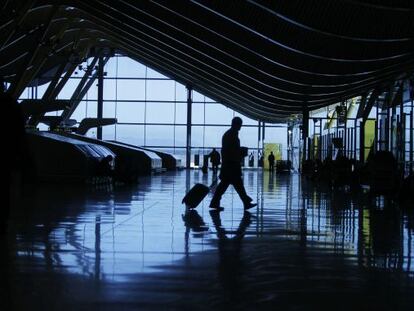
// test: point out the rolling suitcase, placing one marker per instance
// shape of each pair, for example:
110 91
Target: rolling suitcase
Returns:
195 195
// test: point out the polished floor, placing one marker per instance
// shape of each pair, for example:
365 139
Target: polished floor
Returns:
305 247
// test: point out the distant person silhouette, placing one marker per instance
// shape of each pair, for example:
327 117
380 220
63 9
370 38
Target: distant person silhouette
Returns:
215 160
251 159
15 142
230 172
260 159
271 159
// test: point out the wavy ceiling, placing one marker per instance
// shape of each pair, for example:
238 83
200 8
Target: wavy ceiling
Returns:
266 59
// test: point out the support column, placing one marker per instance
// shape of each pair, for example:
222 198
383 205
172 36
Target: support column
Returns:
100 95
288 131
189 111
411 86
305 132
80 90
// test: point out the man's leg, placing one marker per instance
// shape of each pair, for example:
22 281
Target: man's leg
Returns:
221 188
238 185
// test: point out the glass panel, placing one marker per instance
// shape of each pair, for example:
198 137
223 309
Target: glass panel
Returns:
160 90
91 109
41 89
180 92
181 113
159 135
248 137
110 67
109 89
130 112
218 114
160 112
109 109
213 135
68 89
92 92
197 136
129 68
209 100
53 113
130 134
43 127
80 112
131 89
197 114
198 97
277 135
373 113
151 73
25 94
91 133
108 132
180 136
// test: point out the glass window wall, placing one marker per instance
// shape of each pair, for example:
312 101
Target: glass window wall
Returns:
151 110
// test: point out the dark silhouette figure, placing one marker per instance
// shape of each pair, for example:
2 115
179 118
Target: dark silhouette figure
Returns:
204 168
15 142
260 159
251 159
215 160
230 266
407 190
105 168
105 171
271 159
383 172
231 173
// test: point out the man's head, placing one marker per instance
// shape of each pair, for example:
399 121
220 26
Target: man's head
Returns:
236 123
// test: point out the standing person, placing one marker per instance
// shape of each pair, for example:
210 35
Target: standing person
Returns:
260 159
271 159
215 160
231 173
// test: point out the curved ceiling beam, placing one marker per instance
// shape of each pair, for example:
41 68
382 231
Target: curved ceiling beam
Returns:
273 41
322 32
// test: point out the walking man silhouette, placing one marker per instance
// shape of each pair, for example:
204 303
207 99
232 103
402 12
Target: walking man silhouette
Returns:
230 173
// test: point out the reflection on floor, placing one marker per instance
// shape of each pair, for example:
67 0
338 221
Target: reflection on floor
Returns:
135 248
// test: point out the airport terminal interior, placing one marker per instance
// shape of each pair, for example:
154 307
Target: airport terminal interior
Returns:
113 110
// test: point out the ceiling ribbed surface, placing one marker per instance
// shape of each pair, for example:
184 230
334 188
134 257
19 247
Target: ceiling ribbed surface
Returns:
266 59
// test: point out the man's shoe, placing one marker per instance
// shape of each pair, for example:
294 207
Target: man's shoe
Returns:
249 205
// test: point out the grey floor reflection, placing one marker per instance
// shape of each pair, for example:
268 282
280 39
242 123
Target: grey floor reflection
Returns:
306 245
230 266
